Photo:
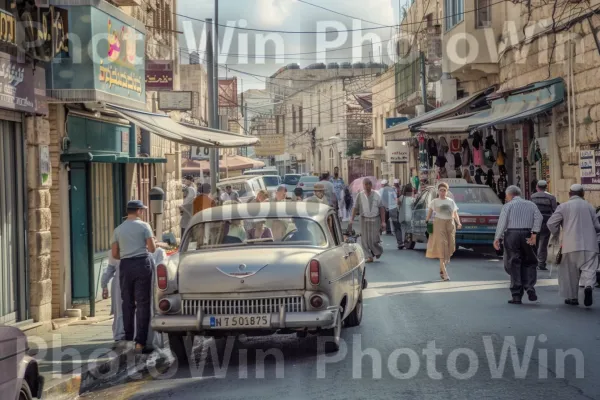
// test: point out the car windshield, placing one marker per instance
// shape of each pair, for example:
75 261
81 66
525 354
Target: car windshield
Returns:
309 179
271 180
291 179
474 195
242 188
254 232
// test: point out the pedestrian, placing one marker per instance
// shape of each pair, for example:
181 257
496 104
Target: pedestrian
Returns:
330 194
298 194
262 196
187 208
372 220
229 194
546 203
519 224
347 204
281 193
318 195
397 187
442 242
389 200
580 227
338 184
188 181
132 243
405 202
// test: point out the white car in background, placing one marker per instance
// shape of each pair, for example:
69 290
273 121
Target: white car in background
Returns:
272 182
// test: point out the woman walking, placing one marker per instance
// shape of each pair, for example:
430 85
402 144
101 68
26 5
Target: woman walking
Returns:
405 201
441 243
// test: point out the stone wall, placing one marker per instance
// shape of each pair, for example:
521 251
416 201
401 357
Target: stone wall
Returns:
546 56
37 132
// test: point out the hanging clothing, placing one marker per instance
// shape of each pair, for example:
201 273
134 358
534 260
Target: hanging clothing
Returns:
478 174
490 180
455 145
432 151
451 162
501 155
443 147
466 154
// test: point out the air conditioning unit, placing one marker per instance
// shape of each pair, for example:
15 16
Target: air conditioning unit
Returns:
125 3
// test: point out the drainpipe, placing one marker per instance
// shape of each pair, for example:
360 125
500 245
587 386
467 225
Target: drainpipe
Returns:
90 241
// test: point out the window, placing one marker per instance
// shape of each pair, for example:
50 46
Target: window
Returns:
103 206
144 183
319 108
277 124
283 124
331 104
294 119
454 13
331 225
169 22
484 14
300 122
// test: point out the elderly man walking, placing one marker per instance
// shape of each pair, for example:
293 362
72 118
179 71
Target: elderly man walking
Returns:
372 220
519 224
546 203
579 246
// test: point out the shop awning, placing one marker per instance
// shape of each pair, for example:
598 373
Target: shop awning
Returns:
232 163
166 127
444 111
514 106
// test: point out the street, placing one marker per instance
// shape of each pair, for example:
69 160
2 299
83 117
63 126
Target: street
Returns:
486 348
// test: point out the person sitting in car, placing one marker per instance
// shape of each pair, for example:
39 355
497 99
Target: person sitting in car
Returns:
302 232
260 231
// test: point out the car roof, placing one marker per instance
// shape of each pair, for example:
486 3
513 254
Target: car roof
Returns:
284 209
237 179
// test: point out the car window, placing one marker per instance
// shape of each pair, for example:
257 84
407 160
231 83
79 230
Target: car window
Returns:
475 195
255 185
309 179
242 188
331 225
291 179
254 232
271 180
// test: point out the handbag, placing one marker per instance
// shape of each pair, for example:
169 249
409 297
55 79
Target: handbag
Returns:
554 250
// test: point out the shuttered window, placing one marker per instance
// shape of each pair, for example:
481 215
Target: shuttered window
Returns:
103 208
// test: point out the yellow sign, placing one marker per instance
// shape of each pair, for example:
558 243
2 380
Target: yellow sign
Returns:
7 28
111 76
270 145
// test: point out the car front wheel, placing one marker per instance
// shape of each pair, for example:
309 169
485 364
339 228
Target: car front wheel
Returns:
25 393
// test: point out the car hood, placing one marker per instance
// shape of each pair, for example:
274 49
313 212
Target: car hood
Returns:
479 209
244 269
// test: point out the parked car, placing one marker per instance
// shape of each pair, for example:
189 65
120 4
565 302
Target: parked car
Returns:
291 181
20 378
478 208
305 280
246 186
307 183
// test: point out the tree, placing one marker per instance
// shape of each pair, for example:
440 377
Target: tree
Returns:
355 148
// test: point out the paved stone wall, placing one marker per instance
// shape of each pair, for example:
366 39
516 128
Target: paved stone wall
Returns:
37 130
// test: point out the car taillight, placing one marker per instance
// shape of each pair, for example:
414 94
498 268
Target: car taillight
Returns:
315 272
164 305
161 276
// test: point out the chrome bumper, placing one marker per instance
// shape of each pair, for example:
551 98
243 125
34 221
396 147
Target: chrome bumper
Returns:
281 320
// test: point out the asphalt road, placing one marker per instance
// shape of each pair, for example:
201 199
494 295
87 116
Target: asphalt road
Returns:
409 317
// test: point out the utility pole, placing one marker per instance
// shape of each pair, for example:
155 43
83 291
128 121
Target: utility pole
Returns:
424 82
246 126
212 121
214 152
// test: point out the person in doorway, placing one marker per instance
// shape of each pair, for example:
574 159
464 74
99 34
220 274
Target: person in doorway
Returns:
580 227
442 243
132 243
397 187
389 200
229 194
546 203
372 220
519 224
405 202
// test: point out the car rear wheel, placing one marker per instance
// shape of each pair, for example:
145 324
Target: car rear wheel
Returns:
25 393
408 242
355 316
177 346
332 336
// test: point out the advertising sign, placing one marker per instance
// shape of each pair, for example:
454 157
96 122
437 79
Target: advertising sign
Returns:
159 75
589 167
398 152
270 145
175 100
20 88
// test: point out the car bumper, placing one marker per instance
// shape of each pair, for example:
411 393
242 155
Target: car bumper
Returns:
281 320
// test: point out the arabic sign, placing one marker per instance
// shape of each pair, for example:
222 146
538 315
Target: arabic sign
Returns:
397 151
270 145
228 93
42 32
105 63
20 88
175 100
589 167
159 75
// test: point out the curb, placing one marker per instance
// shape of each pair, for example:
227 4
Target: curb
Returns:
124 364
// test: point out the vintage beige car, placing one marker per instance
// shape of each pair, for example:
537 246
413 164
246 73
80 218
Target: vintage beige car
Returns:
259 269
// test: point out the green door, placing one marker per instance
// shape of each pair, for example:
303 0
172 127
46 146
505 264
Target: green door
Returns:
79 232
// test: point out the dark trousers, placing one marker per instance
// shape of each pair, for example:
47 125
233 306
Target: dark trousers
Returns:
520 261
136 285
388 225
542 246
397 227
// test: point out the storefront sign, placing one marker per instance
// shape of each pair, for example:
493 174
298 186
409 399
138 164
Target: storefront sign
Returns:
270 145
589 167
105 63
44 165
21 88
43 32
175 101
159 75
398 152
8 28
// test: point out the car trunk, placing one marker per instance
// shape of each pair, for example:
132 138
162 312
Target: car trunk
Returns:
244 269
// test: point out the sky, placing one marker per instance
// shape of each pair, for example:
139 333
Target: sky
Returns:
282 48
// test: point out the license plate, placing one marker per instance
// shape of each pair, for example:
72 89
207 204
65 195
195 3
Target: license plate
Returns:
240 321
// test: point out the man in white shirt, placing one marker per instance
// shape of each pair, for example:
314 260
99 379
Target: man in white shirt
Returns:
389 199
372 220
229 194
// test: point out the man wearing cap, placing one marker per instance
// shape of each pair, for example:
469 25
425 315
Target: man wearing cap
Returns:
546 203
578 220
319 194
229 194
132 243
519 223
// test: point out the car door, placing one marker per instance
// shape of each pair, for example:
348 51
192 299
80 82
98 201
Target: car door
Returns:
344 252
420 213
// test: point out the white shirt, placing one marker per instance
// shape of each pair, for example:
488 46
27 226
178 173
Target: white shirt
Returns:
189 199
389 198
444 209
368 210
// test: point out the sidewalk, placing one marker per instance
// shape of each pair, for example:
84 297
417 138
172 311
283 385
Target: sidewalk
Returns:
78 355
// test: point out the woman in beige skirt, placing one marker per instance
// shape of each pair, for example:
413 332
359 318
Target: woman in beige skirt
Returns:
442 242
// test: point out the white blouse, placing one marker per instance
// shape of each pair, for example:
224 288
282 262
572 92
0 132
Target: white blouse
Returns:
444 209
